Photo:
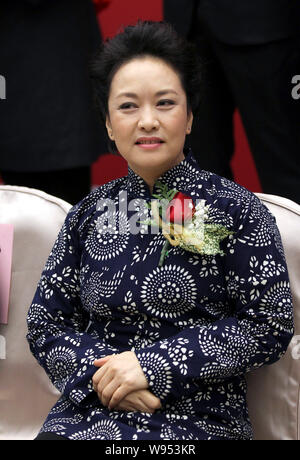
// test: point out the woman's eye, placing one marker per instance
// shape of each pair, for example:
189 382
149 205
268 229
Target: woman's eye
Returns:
166 102
127 105
132 105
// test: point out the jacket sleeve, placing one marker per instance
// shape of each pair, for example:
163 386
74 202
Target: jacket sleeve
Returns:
57 323
256 332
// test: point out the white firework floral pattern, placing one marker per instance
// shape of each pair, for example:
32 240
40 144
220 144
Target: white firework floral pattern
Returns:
276 304
108 236
197 324
58 251
158 372
169 292
105 430
61 362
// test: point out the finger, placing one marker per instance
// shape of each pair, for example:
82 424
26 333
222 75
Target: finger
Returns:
130 403
101 361
107 391
142 407
99 375
136 406
103 381
118 395
134 401
125 407
151 401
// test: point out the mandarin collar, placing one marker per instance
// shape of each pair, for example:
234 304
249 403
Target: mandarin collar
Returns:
182 177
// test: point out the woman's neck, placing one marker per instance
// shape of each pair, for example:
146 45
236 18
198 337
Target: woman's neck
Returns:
151 176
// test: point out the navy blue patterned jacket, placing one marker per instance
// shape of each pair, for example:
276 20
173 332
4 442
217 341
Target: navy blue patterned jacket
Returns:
197 324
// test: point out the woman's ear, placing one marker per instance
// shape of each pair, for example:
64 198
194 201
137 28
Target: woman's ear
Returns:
189 122
109 128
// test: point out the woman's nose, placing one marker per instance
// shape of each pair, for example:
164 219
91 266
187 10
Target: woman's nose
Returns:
148 120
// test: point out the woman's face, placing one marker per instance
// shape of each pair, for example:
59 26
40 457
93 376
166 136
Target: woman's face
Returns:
148 118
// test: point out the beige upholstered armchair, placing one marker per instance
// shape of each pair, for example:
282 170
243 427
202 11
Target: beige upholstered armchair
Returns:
274 391
26 394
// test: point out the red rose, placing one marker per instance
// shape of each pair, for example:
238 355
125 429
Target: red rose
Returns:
180 209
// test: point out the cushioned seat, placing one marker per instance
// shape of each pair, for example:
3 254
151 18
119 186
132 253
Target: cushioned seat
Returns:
274 391
26 394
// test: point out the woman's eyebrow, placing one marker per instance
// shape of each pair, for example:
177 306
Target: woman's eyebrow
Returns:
159 93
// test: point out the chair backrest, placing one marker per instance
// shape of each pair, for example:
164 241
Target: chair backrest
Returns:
274 391
26 394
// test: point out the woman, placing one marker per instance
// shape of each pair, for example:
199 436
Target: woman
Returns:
145 336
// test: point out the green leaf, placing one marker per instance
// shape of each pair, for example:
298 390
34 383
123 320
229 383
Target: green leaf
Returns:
165 192
172 194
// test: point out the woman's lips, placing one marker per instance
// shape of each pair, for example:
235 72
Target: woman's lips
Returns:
149 143
150 146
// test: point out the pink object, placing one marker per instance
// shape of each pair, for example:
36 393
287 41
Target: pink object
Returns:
6 249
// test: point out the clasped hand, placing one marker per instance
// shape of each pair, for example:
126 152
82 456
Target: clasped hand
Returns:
121 384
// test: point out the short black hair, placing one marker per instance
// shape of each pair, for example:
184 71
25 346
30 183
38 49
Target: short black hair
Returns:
146 38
